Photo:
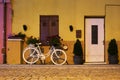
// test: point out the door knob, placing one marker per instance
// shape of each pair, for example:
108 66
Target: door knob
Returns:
103 42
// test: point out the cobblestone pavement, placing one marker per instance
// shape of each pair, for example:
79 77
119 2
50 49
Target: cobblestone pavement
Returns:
64 72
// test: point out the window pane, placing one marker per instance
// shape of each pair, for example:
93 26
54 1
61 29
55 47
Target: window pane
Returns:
94 34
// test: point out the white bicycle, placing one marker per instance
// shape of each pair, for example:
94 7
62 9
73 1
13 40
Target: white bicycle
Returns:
32 54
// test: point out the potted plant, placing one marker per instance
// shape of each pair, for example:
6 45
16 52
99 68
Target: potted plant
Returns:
31 40
113 52
78 52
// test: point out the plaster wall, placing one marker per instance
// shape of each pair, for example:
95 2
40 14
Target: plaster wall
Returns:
70 12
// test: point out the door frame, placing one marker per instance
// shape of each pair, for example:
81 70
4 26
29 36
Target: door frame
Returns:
91 17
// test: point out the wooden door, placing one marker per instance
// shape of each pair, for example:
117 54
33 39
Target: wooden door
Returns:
49 26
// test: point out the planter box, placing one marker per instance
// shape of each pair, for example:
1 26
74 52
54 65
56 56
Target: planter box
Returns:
14 51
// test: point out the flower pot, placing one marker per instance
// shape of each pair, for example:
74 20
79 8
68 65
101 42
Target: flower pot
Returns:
113 59
78 59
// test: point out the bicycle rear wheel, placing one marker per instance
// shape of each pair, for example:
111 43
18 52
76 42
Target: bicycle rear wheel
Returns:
59 57
30 55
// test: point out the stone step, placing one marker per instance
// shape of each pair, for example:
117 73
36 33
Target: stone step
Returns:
95 63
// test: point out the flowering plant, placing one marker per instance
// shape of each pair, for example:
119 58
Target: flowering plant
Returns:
18 35
32 40
54 40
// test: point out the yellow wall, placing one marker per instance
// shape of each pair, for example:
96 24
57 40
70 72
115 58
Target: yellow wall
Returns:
112 25
70 12
112 22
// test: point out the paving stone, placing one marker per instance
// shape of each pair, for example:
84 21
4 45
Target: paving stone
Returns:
65 72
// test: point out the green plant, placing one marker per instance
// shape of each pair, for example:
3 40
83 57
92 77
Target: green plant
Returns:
18 35
78 53
55 40
32 40
21 35
113 52
113 49
78 48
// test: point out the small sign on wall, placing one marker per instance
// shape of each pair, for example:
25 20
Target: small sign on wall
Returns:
78 34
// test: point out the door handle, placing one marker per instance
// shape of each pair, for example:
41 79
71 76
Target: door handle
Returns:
103 42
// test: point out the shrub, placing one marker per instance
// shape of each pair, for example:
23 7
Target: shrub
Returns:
113 52
113 49
78 48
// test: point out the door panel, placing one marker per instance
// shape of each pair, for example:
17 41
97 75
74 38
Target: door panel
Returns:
44 27
94 38
54 26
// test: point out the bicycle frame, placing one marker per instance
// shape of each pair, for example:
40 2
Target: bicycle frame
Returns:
52 49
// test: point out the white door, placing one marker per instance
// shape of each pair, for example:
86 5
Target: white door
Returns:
94 39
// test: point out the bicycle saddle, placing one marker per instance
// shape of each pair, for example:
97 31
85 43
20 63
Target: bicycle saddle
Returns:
38 44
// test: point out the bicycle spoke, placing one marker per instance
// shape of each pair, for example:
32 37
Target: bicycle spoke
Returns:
59 57
32 59
59 60
30 55
28 58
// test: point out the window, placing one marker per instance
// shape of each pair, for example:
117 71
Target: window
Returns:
94 34
49 26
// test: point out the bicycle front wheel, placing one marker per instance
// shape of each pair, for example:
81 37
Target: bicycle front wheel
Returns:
30 55
59 57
